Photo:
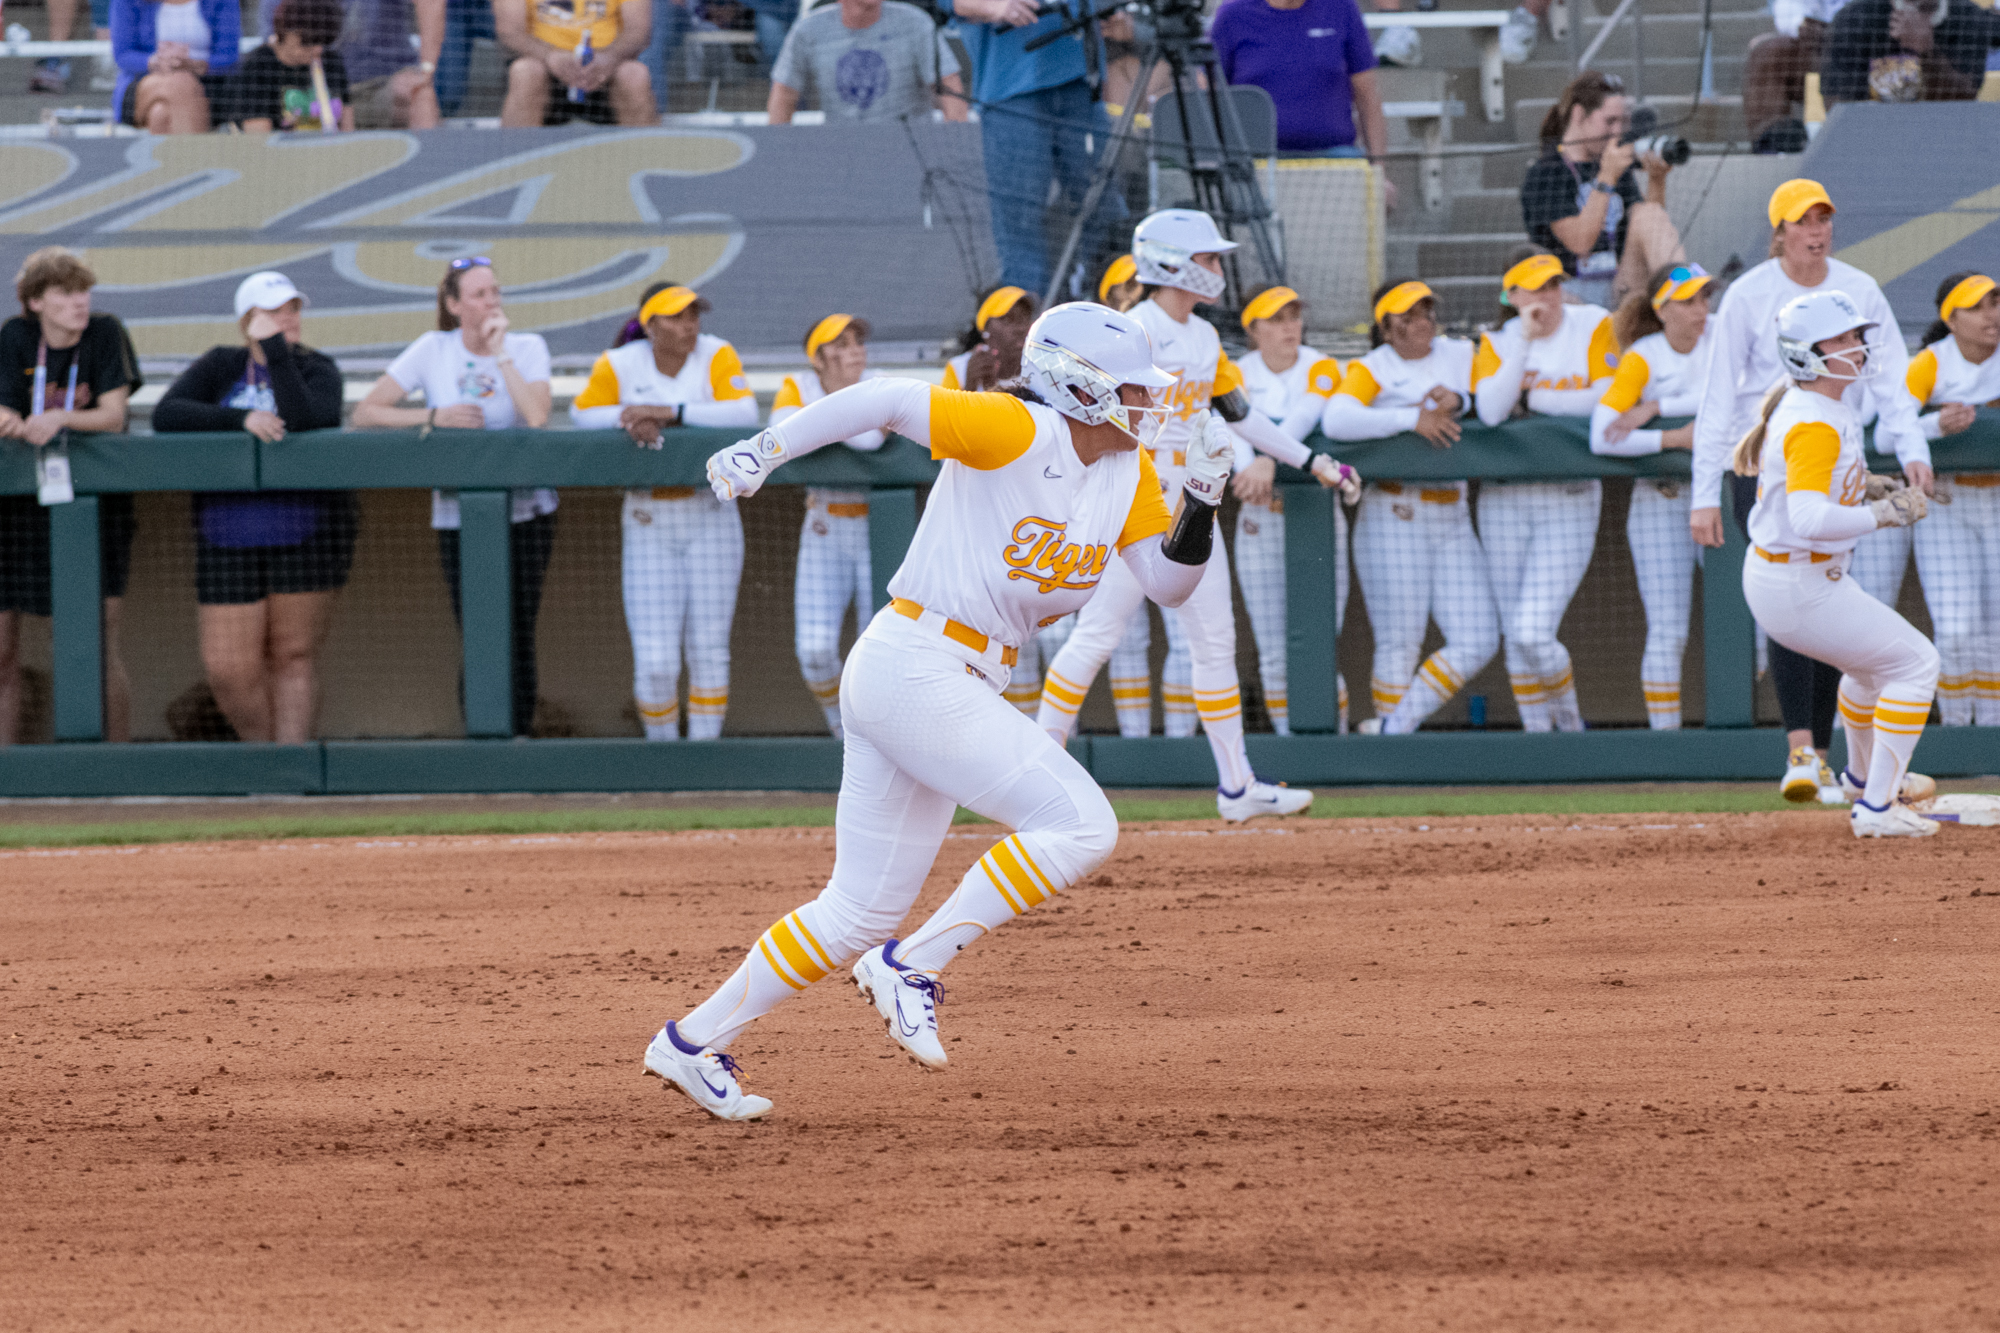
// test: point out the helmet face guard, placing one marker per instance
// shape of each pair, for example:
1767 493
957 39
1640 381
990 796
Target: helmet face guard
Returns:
1164 265
1804 362
1081 391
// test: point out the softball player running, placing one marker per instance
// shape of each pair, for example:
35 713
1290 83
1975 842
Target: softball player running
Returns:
1538 535
833 568
683 549
1288 382
1814 498
992 346
1743 363
1179 253
1414 548
1039 492
1958 546
1660 327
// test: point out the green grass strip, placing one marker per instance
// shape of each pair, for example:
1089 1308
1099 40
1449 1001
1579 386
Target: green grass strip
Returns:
1567 801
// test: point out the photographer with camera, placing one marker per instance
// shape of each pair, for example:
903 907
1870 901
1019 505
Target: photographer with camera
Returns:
1582 200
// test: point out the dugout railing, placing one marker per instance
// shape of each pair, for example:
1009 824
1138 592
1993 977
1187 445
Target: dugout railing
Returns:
481 466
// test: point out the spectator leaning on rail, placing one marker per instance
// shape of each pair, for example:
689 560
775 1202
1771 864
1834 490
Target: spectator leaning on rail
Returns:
268 564
62 368
683 548
173 61
866 60
1037 122
547 73
1313 57
390 49
1907 51
1581 201
475 375
275 89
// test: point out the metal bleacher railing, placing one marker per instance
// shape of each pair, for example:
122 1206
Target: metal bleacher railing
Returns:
482 465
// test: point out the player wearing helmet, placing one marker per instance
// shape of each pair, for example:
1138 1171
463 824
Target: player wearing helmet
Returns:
1179 253
1042 492
1815 499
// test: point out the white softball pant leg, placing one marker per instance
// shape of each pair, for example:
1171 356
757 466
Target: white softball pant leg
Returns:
1949 545
683 562
1260 573
1099 626
1538 537
833 571
1664 556
1204 628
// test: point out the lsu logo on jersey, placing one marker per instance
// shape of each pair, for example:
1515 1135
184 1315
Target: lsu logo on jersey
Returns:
1040 555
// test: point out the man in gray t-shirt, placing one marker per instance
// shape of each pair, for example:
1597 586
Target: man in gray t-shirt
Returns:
866 60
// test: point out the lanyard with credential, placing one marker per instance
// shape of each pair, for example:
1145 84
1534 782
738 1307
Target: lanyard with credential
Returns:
52 477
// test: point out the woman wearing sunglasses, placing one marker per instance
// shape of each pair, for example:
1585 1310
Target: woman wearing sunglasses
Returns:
1552 359
475 375
1661 329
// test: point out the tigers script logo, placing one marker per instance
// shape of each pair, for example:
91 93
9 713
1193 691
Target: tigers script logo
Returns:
1040 555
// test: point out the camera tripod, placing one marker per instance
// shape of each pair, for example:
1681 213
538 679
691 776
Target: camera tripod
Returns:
1220 165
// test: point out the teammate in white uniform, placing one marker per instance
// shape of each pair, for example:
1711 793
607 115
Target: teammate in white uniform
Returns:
1539 535
1742 364
1035 502
1660 327
833 567
1814 498
683 547
1179 253
1120 287
1958 547
1289 382
992 347
1414 548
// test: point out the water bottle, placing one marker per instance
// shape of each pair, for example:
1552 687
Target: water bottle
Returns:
583 54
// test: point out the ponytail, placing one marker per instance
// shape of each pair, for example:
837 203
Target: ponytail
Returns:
1936 333
1747 461
1634 319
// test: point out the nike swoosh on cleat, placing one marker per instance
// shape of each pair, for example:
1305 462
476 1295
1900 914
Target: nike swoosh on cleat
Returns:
720 1094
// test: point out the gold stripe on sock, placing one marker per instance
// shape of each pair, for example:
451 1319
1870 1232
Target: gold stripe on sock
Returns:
1029 892
659 714
1062 693
798 924
795 953
1041 875
1000 883
764 944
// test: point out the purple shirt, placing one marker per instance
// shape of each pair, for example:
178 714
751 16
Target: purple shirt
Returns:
1304 58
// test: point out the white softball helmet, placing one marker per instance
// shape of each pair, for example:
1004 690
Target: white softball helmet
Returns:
1806 321
1078 354
1165 243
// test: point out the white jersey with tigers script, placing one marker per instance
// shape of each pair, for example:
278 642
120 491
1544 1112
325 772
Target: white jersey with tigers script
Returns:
1275 393
1017 531
1581 351
1192 353
1811 443
802 387
1940 374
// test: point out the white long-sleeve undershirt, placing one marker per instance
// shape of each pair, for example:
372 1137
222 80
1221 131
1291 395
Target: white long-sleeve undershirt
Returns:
1348 418
1816 518
736 412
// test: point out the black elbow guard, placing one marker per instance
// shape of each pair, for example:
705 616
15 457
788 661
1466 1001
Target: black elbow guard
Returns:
1232 406
1192 535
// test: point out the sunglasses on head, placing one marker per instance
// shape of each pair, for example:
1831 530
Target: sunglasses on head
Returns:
1686 273
474 261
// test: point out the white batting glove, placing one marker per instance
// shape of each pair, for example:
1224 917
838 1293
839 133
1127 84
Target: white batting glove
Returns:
1337 476
1879 485
1899 509
1210 454
736 472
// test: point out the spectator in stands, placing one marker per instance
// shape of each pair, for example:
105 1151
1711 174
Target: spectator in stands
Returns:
465 22
992 346
51 74
1582 201
683 547
774 20
1775 69
275 88
1314 58
476 375
1037 124
173 61
866 60
268 564
62 368
1907 51
551 83
391 50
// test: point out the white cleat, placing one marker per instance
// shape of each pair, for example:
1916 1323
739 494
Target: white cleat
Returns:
1801 780
1897 821
1830 790
706 1075
1914 787
1261 798
907 1000
1368 726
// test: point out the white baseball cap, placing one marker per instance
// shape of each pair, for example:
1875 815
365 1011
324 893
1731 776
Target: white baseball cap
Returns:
266 291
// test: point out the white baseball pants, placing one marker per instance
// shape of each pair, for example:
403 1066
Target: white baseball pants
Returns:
1889 670
1418 559
1538 537
833 571
683 561
1664 557
927 731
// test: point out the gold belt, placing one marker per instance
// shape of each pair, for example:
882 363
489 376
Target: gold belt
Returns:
1818 557
956 632
675 492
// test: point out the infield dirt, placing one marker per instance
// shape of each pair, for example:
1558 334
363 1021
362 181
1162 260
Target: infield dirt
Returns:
1686 1072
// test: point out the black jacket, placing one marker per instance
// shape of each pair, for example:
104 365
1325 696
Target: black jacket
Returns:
305 383
1860 37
